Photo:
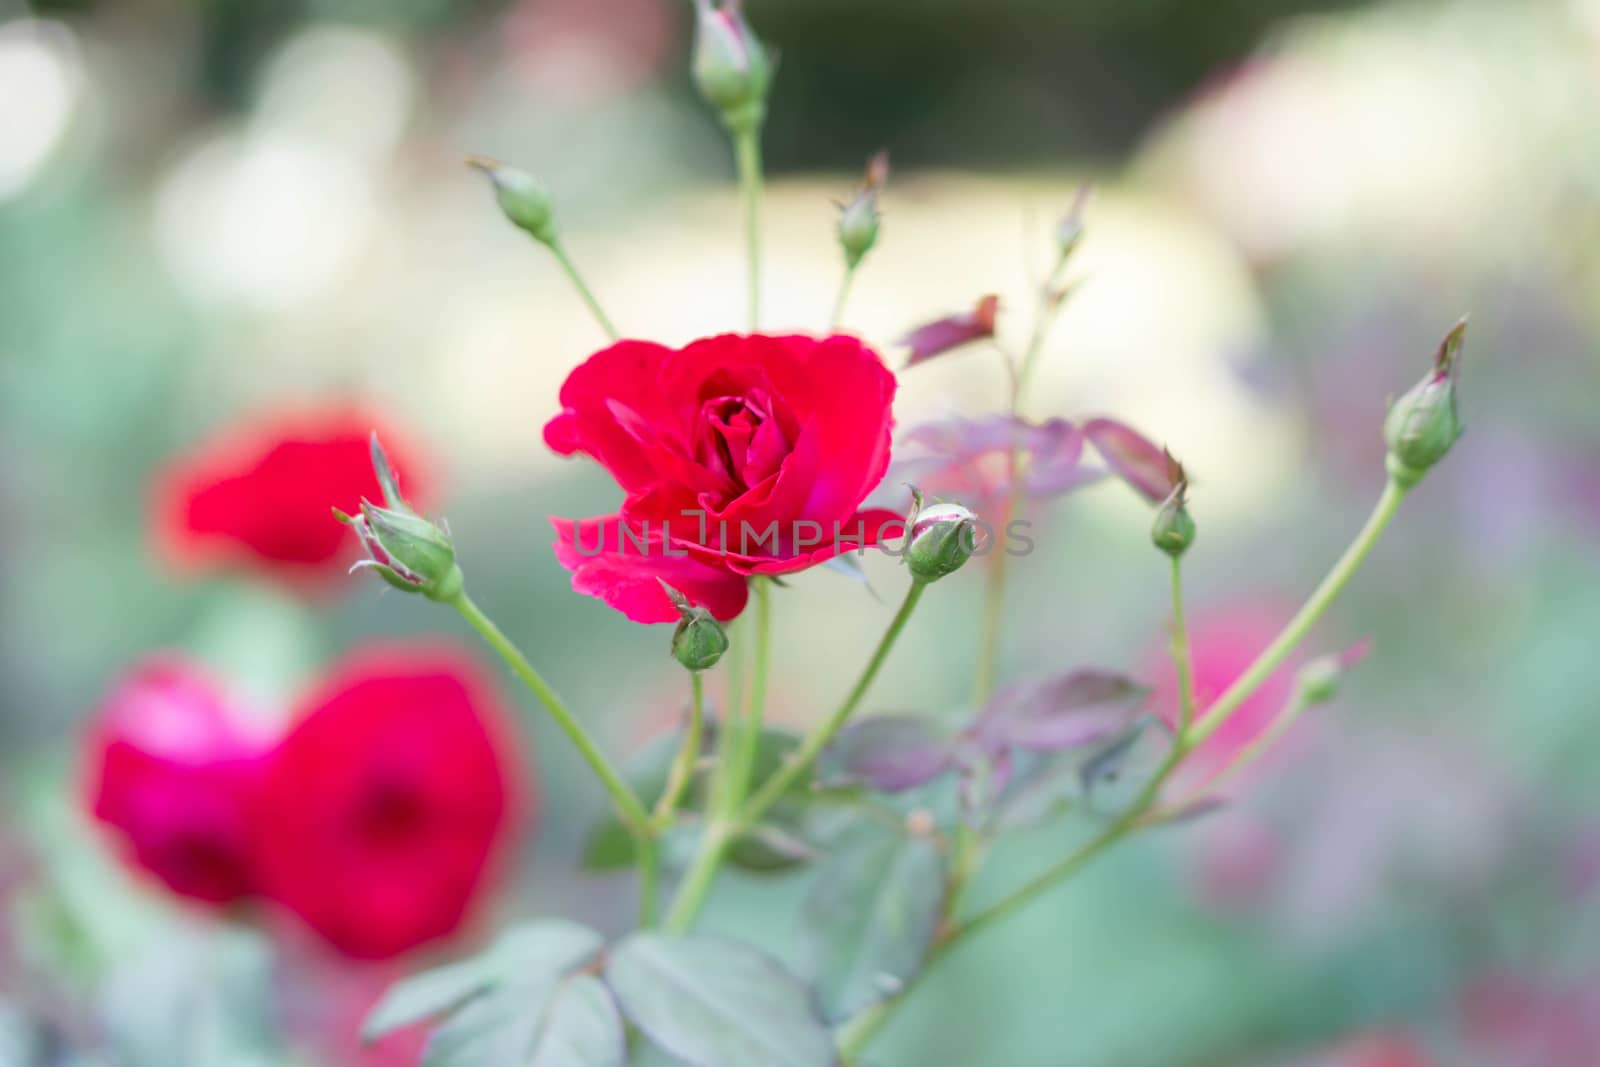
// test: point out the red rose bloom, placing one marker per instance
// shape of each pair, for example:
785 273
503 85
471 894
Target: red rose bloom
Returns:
174 770
382 811
739 456
262 494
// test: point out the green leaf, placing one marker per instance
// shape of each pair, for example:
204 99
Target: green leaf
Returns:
582 1029
495 1029
711 1002
870 919
544 950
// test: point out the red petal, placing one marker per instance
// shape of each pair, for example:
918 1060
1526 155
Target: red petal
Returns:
623 571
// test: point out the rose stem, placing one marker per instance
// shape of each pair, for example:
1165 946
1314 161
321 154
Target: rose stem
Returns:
839 301
864 1027
747 148
629 809
723 827
560 252
1332 585
804 756
1180 650
688 755
738 747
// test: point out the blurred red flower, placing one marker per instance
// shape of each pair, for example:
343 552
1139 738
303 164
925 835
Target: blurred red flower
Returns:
174 770
739 455
389 800
261 493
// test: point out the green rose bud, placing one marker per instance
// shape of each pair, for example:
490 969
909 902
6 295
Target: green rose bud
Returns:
699 640
942 539
1423 424
1173 530
859 219
406 550
1319 679
525 201
731 68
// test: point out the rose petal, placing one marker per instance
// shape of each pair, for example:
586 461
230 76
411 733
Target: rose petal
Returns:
624 572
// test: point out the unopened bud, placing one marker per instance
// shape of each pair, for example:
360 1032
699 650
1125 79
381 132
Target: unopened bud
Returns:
1319 679
699 641
731 68
1423 424
1069 231
943 538
523 198
405 549
858 220
1173 530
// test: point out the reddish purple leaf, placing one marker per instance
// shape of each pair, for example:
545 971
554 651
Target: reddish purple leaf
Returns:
888 753
1082 707
1132 457
952 331
969 459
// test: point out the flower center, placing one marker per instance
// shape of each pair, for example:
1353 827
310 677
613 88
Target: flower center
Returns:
739 439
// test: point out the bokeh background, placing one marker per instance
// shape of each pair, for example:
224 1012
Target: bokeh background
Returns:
211 208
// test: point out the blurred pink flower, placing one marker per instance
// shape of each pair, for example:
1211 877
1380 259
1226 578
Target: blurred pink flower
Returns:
1525 1021
1223 642
173 771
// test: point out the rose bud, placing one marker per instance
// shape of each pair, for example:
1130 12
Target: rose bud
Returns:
525 201
1173 530
699 641
1069 231
858 220
174 768
731 68
943 538
405 549
1422 425
1319 679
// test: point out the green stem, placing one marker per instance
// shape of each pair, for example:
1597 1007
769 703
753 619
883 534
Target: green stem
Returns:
627 804
649 852
864 1027
747 149
1180 650
839 301
688 755
1252 752
1324 595
750 725
995 597
697 880
804 756
578 283
741 739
